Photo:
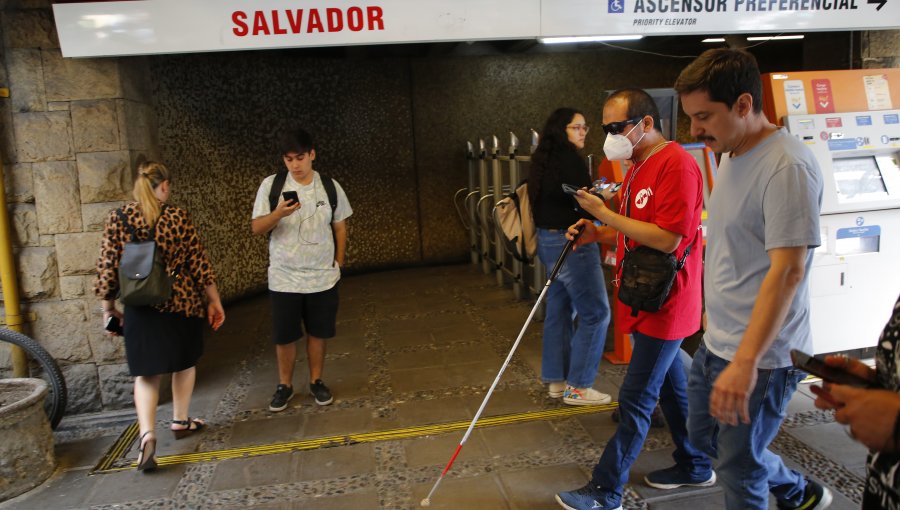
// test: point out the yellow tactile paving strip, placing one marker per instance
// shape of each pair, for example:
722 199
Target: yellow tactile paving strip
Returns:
123 444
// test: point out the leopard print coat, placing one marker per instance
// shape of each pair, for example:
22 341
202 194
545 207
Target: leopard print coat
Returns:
179 242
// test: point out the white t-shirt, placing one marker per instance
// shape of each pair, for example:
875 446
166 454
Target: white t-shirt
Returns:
301 247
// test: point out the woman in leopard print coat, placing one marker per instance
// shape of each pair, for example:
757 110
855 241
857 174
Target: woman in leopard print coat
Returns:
165 338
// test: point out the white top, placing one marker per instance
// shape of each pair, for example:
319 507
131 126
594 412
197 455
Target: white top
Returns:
301 247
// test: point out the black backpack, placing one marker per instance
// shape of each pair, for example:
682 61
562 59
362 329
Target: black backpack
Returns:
327 183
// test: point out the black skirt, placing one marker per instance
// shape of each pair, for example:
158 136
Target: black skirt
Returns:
161 342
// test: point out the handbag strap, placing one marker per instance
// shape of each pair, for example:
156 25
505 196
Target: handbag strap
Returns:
687 251
128 226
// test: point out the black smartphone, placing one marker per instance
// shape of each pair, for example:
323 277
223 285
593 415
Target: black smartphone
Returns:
113 325
290 195
571 190
613 188
828 373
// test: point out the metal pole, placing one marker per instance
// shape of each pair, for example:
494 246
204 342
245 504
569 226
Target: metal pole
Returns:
484 248
14 319
497 180
514 178
473 184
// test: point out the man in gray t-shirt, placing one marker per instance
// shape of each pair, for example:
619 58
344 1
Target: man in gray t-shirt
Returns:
767 198
763 228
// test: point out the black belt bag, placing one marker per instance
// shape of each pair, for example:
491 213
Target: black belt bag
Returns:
646 277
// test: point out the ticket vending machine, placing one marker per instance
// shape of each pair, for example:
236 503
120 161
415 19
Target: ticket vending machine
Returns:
855 277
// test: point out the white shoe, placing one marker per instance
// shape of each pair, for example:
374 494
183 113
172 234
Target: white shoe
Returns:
556 389
585 397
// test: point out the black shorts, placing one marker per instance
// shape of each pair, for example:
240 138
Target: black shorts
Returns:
292 311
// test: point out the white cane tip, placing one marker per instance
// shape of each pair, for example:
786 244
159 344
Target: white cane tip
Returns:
425 502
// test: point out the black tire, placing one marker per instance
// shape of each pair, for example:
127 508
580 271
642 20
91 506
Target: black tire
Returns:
55 403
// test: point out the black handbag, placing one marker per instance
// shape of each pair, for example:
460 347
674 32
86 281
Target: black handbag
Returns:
646 275
143 279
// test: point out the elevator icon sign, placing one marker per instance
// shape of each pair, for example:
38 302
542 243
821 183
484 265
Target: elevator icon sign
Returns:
616 6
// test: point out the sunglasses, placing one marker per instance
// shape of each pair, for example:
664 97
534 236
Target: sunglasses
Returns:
614 128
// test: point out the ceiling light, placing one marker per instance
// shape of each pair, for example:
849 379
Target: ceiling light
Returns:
774 38
713 39
591 38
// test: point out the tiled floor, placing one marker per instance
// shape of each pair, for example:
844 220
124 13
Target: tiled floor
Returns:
415 347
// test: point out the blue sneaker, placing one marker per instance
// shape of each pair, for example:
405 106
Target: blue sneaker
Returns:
675 477
585 498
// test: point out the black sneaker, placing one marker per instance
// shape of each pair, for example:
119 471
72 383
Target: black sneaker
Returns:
816 496
321 393
283 394
675 477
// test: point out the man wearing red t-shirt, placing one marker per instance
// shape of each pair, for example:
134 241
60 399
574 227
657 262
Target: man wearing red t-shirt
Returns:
662 200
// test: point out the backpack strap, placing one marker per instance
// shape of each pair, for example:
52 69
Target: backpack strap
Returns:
277 186
331 191
128 226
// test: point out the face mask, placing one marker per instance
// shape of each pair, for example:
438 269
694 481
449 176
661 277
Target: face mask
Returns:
618 147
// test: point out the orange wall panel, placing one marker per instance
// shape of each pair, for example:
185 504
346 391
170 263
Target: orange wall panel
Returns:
854 90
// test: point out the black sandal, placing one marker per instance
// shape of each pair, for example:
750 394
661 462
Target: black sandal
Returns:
147 459
190 425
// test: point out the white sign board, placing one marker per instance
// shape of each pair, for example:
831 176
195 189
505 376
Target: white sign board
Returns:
170 26
173 26
672 17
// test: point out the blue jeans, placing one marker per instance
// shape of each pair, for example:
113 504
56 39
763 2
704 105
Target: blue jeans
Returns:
747 469
573 354
656 371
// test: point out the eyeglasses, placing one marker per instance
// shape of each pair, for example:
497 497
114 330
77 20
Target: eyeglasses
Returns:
614 128
579 127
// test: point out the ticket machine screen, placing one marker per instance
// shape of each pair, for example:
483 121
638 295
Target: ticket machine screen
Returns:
858 178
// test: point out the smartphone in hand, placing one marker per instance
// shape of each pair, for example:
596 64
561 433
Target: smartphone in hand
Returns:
113 325
289 196
569 189
828 373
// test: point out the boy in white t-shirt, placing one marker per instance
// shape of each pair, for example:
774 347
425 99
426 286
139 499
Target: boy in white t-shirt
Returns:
307 244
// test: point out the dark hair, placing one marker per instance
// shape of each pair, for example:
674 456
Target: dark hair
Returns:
725 74
640 104
553 138
295 140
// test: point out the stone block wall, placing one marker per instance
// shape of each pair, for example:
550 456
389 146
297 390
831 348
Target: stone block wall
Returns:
881 49
71 132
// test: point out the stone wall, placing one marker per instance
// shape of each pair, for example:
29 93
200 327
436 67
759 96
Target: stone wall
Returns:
881 49
72 130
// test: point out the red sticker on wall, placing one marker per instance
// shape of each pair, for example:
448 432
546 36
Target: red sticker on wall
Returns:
824 100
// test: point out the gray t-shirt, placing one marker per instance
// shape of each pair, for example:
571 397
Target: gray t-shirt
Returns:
767 198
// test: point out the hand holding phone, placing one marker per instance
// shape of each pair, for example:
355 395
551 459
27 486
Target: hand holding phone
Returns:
113 325
827 372
825 395
290 196
605 190
602 190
